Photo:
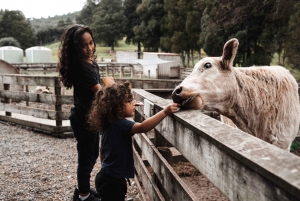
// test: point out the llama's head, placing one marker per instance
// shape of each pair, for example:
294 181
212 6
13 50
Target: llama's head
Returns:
211 82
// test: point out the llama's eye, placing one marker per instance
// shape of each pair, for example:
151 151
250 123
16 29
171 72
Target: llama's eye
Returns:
207 65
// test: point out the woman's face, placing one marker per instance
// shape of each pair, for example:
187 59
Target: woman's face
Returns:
88 46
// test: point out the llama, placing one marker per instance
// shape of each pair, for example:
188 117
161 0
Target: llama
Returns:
262 101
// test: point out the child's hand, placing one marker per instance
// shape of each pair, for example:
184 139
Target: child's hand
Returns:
171 108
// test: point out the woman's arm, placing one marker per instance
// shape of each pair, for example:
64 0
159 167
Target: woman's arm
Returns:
96 88
151 122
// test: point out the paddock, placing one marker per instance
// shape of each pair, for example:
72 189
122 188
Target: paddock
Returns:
241 166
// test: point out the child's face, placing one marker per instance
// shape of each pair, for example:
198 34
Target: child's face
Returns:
87 46
128 109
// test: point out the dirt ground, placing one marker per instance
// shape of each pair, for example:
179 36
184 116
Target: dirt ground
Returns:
199 185
36 167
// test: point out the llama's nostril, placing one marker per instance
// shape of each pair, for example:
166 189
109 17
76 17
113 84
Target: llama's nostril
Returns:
178 90
176 95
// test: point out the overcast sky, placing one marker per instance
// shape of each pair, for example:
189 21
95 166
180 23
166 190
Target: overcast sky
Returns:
43 8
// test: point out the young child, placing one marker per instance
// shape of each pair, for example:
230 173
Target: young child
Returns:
112 105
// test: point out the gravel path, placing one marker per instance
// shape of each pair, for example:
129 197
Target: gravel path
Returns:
34 166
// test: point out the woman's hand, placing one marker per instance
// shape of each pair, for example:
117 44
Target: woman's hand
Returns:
107 81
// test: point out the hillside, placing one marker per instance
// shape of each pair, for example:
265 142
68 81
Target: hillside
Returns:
43 23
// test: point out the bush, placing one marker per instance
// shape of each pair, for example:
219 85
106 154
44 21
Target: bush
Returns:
9 41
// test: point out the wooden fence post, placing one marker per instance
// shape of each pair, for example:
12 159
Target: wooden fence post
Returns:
131 71
58 105
27 90
7 100
106 70
121 71
44 68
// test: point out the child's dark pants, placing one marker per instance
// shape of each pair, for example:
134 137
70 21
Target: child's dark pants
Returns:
110 188
87 149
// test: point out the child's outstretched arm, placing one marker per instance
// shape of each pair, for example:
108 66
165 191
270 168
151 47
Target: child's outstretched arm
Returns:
151 122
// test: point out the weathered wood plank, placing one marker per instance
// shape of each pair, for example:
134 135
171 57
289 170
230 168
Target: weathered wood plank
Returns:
20 79
152 84
38 126
38 113
174 186
147 180
241 166
39 98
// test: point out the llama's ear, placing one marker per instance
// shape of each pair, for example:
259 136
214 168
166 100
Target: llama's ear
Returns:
229 52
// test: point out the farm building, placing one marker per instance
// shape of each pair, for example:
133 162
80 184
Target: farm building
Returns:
6 68
155 65
126 56
38 54
160 65
11 54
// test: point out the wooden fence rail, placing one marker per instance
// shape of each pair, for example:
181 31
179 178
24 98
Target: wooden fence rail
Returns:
105 68
56 99
241 166
53 120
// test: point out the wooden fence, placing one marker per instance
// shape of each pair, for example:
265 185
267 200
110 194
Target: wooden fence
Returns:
22 114
53 120
241 166
106 69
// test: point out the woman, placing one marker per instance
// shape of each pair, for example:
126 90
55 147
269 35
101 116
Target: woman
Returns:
78 69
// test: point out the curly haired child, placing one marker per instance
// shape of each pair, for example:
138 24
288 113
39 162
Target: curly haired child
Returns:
112 105
78 69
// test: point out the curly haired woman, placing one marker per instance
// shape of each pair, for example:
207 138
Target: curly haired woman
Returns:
112 105
78 69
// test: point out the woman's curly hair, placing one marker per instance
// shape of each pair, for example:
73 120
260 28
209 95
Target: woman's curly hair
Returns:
108 105
71 53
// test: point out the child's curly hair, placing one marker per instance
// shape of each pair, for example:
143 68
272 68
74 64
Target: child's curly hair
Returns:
108 105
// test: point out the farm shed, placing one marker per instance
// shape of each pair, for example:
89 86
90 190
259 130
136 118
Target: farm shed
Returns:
38 54
160 65
126 56
11 54
6 68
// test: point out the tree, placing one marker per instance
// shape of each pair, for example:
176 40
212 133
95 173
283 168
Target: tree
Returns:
109 22
292 46
151 12
49 35
246 20
61 23
9 41
181 27
86 14
130 7
14 24
68 22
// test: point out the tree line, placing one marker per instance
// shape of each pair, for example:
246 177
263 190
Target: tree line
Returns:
185 27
